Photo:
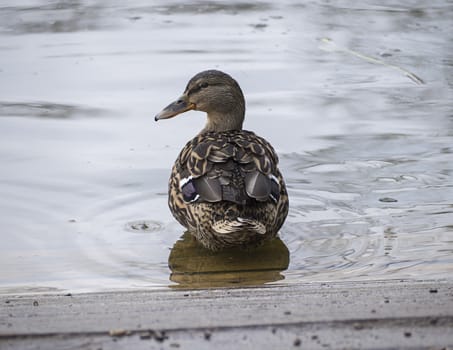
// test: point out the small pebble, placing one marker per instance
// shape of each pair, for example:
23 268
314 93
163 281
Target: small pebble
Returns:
407 334
358 326
118 332
145 335
433 290
160 336
297 342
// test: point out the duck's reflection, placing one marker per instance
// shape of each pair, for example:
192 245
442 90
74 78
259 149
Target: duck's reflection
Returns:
193 266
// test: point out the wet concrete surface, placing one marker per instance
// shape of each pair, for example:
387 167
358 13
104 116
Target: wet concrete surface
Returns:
366 315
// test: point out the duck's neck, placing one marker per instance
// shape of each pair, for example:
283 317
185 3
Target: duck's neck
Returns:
219 122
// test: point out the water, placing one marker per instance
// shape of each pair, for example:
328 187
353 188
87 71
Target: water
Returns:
366 151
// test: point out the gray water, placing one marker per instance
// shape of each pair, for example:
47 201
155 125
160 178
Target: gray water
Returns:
365 147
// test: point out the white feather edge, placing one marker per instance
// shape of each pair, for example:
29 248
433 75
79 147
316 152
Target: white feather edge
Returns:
226 227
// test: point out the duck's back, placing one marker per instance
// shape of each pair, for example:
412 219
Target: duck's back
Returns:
227 182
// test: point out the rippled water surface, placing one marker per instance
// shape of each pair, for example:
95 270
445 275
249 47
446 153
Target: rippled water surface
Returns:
356 100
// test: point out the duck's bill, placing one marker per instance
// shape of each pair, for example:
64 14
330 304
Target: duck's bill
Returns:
175 108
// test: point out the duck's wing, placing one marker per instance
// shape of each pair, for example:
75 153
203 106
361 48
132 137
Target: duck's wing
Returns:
235 166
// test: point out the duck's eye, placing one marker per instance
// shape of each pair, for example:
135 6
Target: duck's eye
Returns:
203 85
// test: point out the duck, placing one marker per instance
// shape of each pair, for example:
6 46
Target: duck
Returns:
225 186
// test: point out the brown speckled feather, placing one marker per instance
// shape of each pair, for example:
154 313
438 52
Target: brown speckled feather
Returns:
232 172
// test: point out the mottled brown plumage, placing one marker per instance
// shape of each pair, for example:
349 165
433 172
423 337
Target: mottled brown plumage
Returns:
225 186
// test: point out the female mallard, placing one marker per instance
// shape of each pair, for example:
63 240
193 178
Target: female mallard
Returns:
225 187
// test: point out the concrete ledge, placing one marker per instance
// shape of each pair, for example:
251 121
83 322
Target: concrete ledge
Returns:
320 315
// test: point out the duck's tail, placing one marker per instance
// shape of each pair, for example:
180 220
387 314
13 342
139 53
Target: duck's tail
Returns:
224 227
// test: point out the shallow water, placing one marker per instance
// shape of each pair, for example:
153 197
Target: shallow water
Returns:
365 149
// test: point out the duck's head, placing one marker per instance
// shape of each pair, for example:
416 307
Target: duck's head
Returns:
215 93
